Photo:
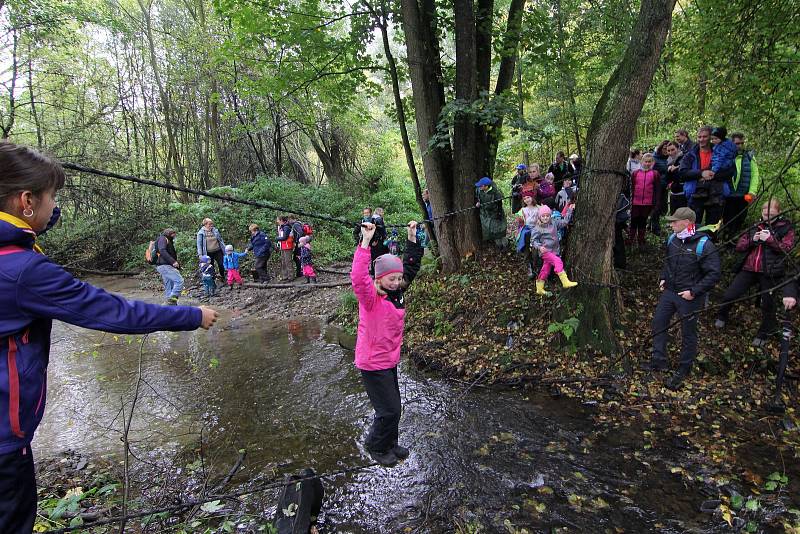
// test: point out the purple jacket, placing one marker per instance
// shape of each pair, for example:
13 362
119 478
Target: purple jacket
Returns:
34 291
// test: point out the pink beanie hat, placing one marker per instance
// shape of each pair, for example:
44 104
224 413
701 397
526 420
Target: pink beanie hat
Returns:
387 264
544 210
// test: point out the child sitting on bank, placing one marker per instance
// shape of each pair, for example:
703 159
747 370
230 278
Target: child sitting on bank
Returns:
231 264
544 238
307 260
381 315
207 274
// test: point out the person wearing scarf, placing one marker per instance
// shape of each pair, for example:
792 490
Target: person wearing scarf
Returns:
691 269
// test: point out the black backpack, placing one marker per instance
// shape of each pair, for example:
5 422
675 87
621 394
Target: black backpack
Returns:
299 503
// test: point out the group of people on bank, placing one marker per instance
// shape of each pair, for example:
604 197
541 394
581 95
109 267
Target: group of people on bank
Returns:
218 259
706 187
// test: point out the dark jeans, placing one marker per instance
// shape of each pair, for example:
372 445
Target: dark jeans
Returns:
668 305
712 213
262 273
532 259
384 394
298 271
734 215
743 281
17 492
216 257
619 246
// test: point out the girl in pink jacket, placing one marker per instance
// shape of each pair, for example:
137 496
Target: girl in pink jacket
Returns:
381 314
645 192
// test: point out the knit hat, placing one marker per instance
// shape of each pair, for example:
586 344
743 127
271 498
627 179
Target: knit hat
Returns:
387 264
573 157
528 194
544 210
228 248
683 214
522 167
205 259
483 181
720 132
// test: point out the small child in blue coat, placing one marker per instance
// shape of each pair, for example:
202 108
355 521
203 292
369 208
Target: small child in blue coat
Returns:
207 274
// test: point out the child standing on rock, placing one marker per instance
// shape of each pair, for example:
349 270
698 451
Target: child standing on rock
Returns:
231 263
307 260
381 315
544 238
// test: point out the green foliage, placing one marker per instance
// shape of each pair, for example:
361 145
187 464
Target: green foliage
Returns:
120 241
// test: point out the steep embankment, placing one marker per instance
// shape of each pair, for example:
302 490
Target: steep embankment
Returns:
485 325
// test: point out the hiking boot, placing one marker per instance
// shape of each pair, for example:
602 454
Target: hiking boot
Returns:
654 365
401 452
386 458
719 323
676 380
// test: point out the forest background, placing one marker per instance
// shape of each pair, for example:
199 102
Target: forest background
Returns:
293 102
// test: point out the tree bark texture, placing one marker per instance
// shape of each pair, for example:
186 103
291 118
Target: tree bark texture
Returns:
420 28
383 23
610 134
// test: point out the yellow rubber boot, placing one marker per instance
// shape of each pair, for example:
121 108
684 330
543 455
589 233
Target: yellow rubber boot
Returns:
540 289
565 281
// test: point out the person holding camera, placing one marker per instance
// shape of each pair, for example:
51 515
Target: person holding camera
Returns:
765 247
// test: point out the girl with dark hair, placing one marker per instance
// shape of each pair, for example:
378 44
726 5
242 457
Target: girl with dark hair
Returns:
34 291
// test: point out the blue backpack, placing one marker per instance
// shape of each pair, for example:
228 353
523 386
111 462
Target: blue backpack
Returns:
700 244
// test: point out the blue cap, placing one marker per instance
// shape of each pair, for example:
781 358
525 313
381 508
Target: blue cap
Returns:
522 167
483 181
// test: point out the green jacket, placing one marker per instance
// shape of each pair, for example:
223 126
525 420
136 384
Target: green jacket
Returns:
493 218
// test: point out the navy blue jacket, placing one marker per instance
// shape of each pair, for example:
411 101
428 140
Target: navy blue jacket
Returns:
34 291
260 245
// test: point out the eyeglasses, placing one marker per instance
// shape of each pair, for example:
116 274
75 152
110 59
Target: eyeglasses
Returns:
738 143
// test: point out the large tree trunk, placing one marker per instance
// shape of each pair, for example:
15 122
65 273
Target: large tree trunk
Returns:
382 21
419 25
610 134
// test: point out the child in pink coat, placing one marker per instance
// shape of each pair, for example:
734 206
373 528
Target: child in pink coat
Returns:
381 315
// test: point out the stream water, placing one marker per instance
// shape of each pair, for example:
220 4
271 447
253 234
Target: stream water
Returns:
288 393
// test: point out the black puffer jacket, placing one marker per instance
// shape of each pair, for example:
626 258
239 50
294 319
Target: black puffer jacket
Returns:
685 269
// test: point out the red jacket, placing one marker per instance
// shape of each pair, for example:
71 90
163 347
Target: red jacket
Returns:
768 257
645 187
